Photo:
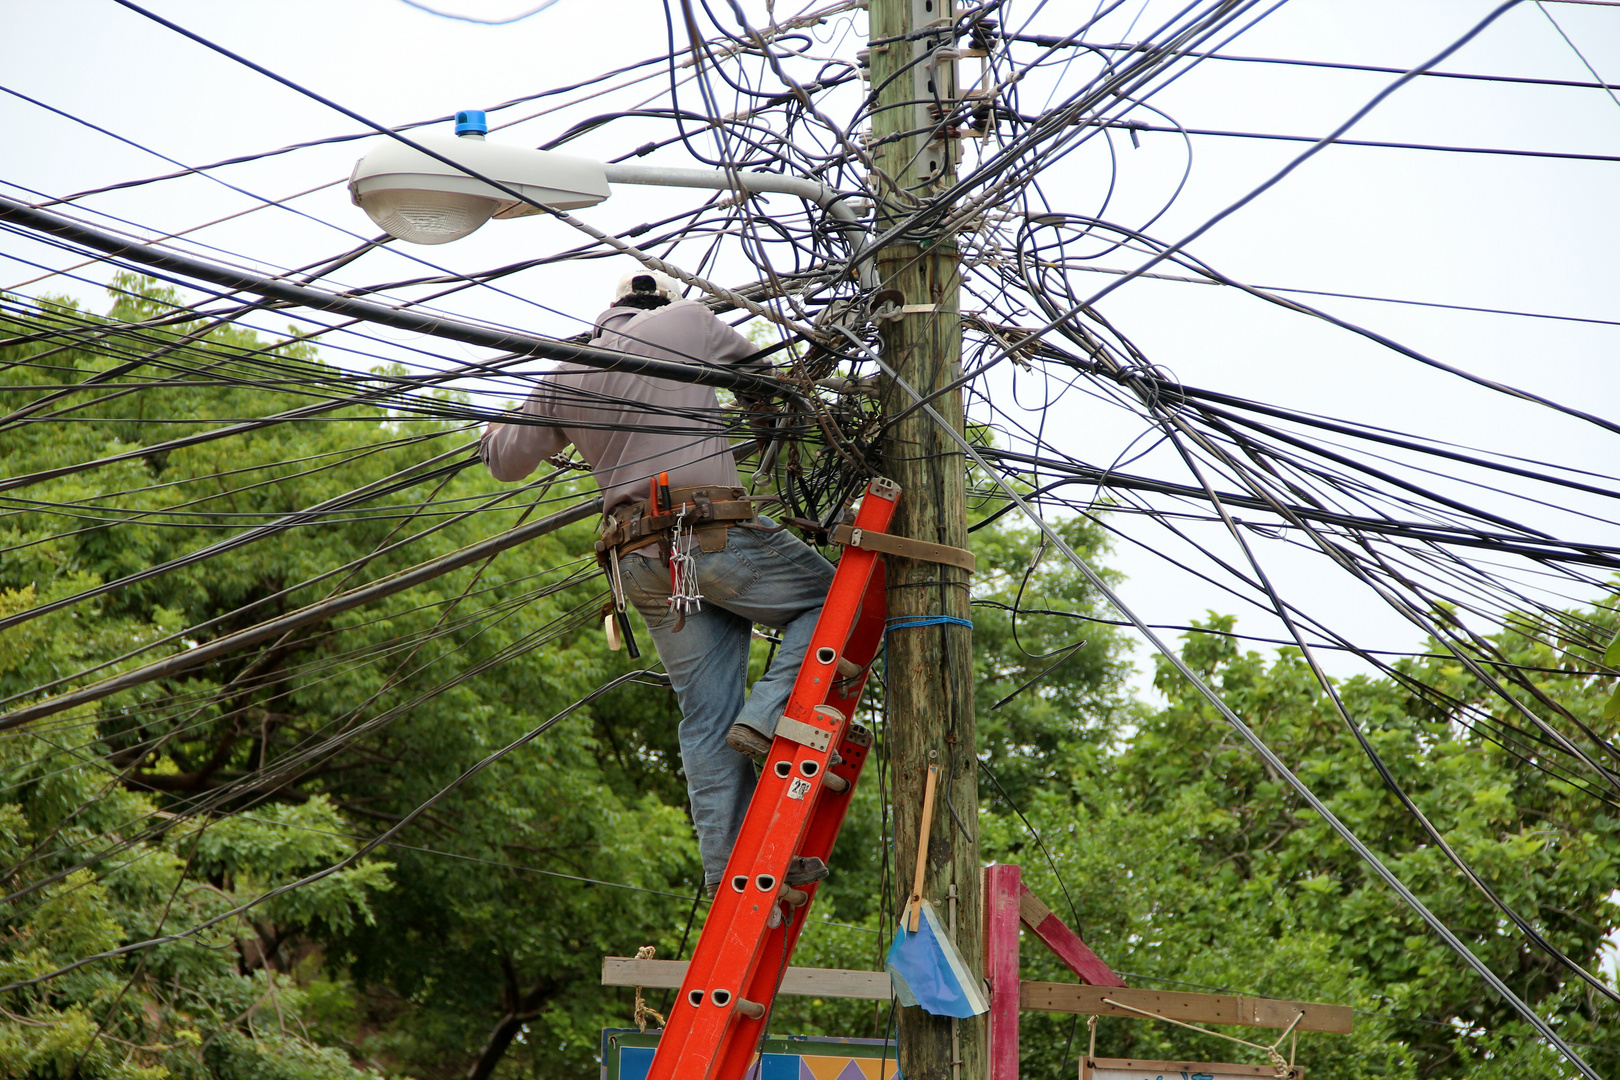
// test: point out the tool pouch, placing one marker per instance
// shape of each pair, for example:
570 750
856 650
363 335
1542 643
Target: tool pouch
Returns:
711 511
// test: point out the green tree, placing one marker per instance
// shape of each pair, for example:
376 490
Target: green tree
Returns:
472 943
1191 866
484 924
213 1004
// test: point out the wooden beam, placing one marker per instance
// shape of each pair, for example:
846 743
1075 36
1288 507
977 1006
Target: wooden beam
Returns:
1225 1070
1002 886
1033 996
799 981
1188 1008
1074 953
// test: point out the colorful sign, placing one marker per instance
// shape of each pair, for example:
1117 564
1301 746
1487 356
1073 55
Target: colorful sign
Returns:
628 1053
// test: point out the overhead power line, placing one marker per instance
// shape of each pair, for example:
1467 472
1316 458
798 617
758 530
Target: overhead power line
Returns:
1054 41
467 333
367 594
1134 125
1453 537
1278 766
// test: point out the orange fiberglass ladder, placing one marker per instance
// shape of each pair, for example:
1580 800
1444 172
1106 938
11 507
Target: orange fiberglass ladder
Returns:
797 809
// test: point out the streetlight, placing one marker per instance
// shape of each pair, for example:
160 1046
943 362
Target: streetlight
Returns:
413 196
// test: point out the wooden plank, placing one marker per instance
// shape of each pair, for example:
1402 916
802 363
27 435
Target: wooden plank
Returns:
1031 908
1074 953
648 974
1189 1008
1120 1068
837 982
1033 996
1002 887
799 981
1269 1012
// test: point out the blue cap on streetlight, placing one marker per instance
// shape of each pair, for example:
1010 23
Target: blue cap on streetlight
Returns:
422 199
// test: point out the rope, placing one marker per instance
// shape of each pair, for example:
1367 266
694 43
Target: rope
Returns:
642 1011
912 622
1283 1069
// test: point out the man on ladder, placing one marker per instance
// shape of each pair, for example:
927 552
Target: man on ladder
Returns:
680 541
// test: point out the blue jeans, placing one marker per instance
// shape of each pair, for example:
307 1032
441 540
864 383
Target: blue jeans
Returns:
770 578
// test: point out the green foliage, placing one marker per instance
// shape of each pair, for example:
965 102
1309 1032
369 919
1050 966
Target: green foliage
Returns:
402 963
192 1008
1191 866
1049 671
1163 841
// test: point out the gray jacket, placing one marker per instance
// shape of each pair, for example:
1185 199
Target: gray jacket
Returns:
631 427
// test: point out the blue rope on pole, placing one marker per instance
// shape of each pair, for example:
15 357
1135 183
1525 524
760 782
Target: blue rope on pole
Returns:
914 621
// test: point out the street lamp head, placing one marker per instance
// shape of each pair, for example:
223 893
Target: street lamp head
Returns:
415 197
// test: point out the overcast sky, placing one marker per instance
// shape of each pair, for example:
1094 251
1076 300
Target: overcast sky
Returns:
1526 234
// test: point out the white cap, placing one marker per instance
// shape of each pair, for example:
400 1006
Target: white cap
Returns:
636 281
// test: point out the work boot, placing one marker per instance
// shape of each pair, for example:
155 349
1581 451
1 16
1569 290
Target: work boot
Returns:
805 871
745 740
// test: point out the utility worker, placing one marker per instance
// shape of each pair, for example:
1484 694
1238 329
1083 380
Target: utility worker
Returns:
695 558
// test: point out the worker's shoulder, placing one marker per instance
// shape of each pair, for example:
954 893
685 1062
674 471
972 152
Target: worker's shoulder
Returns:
678 311
682 323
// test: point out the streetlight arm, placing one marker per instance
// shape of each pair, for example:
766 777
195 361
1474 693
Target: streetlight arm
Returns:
823 196
829 199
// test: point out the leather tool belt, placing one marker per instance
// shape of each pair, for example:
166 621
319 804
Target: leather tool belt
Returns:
711 512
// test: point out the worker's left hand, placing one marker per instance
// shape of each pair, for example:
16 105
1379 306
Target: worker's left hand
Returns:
762 417
483 442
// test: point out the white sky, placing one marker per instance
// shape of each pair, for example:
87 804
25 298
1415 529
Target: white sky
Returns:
1520 233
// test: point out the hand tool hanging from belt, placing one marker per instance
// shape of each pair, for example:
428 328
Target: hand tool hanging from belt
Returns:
684 595
686 520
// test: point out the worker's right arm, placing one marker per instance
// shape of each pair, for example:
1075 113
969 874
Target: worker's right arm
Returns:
513 451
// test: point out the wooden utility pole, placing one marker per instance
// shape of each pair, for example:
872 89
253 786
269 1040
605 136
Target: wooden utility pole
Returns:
930 666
